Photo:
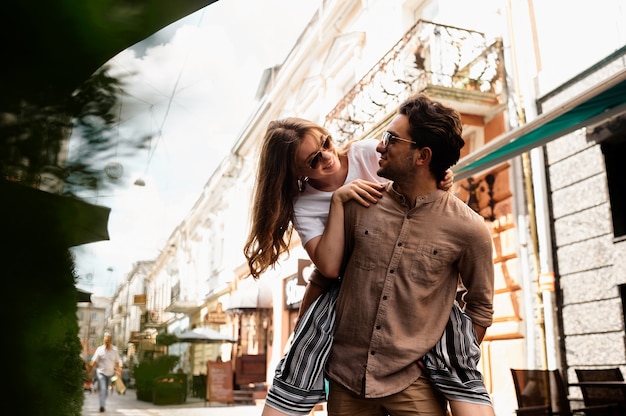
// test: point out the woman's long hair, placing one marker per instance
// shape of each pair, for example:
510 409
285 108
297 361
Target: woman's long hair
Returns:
277 187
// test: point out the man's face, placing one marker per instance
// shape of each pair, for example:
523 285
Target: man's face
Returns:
396 159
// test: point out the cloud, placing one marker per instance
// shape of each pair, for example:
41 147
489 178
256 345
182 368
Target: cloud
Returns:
191 87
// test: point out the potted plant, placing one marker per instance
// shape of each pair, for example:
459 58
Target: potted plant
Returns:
170 389
148 370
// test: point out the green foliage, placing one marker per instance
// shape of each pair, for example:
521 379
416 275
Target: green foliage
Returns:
170 389
148 370
45 369
35 132
166 339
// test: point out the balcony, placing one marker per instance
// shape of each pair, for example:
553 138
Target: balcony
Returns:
152 319
183 306
452 65
180 304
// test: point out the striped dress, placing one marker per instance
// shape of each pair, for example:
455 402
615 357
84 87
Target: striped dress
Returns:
299 385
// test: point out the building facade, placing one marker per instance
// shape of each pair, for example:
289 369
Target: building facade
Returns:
91 324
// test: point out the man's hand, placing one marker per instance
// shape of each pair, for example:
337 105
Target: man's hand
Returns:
480 332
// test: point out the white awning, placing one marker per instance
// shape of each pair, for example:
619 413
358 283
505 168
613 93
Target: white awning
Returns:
251 294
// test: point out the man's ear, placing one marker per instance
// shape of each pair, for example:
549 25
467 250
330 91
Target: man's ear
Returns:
424 155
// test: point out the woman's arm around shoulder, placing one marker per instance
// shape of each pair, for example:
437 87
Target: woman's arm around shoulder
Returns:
327 250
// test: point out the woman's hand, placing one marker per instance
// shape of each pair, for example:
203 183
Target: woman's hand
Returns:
447 182
364 192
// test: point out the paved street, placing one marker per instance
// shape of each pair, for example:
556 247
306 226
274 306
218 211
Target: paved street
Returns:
128 405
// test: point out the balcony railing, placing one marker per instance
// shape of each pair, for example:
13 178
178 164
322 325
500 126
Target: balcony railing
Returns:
428 55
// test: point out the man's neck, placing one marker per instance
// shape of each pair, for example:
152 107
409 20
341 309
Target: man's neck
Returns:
411 190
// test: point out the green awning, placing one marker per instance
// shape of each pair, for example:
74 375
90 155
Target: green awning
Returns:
598 103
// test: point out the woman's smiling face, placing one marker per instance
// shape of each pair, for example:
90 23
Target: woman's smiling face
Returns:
316 156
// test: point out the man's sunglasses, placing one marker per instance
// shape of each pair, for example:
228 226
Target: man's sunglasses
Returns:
318 156
389 138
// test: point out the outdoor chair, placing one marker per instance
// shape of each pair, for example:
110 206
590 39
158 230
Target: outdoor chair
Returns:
613 398
199 386
543 392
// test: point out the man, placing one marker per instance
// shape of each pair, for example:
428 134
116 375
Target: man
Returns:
401 259
107 363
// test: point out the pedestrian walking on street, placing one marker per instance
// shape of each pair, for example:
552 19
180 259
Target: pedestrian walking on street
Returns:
106 361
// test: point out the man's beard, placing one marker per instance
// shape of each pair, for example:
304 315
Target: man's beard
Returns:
390 172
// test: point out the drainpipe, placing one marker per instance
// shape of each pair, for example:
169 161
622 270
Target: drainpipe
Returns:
535 195
541 218
526 257
546 272
529 189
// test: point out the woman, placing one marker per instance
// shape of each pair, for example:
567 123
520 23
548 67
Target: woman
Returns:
297 194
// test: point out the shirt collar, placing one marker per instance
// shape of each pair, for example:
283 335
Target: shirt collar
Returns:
421 200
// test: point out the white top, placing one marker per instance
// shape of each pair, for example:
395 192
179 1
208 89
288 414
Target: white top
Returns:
106 360
312 206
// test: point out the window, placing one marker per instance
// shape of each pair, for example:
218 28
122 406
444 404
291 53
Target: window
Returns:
614 150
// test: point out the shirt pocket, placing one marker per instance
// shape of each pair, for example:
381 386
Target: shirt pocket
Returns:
431 263
367 245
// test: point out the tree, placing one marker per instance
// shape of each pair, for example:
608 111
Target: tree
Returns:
45 369
36 133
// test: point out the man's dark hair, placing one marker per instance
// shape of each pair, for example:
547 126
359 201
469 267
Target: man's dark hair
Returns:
433 125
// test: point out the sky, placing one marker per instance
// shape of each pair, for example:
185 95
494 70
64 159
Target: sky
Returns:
191 87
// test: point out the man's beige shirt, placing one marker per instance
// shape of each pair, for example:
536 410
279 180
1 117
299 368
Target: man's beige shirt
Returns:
399 286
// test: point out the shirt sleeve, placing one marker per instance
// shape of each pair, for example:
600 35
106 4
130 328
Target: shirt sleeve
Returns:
476 270
95 356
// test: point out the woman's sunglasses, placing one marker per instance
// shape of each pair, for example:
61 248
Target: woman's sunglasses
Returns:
318 156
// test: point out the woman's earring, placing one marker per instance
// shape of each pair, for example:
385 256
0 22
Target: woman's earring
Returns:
302 182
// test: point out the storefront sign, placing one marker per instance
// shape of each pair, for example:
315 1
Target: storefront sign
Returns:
305 268
217 316
220 382
139 300
293 292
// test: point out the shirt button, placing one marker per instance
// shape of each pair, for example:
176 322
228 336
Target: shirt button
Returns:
377 326
399 244
373 352
384 297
